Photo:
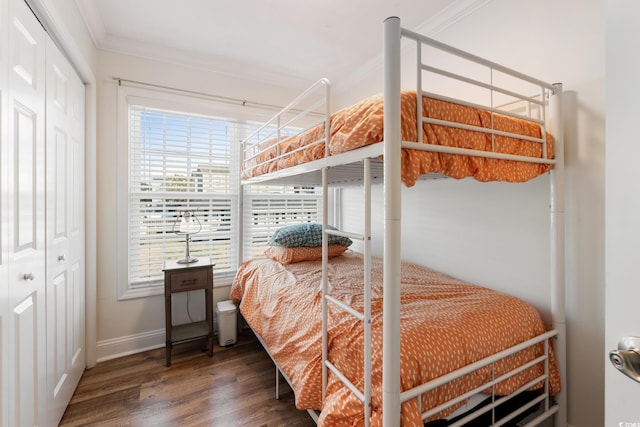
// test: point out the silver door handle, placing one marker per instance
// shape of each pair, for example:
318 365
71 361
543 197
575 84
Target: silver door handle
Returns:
28 276
626 358
61 257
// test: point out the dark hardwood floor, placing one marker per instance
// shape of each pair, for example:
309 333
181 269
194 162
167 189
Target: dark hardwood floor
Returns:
234 388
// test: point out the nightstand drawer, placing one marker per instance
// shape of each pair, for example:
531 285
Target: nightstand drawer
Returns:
188 280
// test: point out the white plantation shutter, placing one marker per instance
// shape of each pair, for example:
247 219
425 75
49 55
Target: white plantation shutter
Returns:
181 161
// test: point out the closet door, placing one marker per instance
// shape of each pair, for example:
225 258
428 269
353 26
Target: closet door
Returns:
4 271
26 236
65 233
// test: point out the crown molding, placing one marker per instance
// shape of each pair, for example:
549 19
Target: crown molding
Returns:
109 43
220 66
436 24
450 15
92 20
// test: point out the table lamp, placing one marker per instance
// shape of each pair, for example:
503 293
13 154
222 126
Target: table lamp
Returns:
187 224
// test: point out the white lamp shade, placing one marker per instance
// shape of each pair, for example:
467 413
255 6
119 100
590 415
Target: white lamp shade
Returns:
189 225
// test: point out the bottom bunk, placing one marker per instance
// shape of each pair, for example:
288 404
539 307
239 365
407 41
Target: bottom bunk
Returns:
446 325
516 410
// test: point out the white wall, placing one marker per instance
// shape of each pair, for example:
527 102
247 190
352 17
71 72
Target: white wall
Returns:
497 234
136 324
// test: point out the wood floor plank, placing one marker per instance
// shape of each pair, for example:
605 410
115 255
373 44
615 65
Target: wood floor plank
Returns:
233 388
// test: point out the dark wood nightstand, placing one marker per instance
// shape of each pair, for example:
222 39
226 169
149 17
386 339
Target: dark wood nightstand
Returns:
183 278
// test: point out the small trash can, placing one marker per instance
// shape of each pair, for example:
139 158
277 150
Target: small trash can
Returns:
226 312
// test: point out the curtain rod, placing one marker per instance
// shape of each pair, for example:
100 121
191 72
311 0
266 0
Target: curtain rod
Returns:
229 100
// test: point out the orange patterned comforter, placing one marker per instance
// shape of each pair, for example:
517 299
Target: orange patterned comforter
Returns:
445 323
362 124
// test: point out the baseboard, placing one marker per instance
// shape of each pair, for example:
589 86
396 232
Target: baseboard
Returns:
124 346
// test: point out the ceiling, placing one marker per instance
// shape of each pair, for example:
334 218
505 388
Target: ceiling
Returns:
281 41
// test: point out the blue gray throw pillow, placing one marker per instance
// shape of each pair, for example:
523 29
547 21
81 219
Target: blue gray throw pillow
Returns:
305 235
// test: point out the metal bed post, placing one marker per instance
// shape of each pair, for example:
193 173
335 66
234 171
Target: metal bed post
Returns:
367 291
557 248
392 226
325 280
240 207
325 237
419 90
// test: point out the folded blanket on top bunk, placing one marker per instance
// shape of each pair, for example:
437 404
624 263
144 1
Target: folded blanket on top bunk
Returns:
362 124
446 324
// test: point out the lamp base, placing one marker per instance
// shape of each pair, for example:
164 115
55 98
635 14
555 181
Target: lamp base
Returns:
187 260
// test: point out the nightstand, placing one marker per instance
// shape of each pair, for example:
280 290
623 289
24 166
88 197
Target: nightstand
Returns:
183 278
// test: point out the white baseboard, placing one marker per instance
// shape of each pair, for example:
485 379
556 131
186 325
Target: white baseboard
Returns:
124 346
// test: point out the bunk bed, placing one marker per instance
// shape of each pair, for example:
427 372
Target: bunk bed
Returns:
488 148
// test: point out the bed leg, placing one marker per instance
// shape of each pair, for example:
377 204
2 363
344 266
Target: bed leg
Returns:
277 384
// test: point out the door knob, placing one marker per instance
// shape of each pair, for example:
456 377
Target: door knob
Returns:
626 358
28 276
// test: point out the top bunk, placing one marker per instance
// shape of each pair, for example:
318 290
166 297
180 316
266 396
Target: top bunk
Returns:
479 119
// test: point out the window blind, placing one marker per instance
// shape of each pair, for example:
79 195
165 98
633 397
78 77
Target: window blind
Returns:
180 161
268 209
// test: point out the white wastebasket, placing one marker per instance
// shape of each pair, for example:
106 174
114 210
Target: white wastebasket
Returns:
226 312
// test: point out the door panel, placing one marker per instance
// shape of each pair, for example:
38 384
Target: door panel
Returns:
59 186
26 237
27 367
622 229
41 223
65 232
25 146
76 325
4 271
57 324
59 86
27 48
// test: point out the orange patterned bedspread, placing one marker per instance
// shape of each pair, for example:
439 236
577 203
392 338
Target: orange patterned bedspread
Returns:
445 323
362 124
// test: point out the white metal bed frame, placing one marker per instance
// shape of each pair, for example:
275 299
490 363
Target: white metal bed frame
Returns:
318 171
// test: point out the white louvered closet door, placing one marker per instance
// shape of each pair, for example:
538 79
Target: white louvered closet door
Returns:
65 232
26 233
4 271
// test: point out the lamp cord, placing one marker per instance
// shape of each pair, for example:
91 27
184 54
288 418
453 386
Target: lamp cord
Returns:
188 304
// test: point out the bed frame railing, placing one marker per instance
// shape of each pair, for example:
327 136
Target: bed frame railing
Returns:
393 33
496 401
543 108
297 117
539 100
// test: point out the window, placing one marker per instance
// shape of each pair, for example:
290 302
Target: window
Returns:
267 208
183 154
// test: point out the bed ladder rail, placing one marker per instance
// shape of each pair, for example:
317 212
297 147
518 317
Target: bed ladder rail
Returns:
365 316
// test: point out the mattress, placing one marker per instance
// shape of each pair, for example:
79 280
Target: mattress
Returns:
362 124
445 324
